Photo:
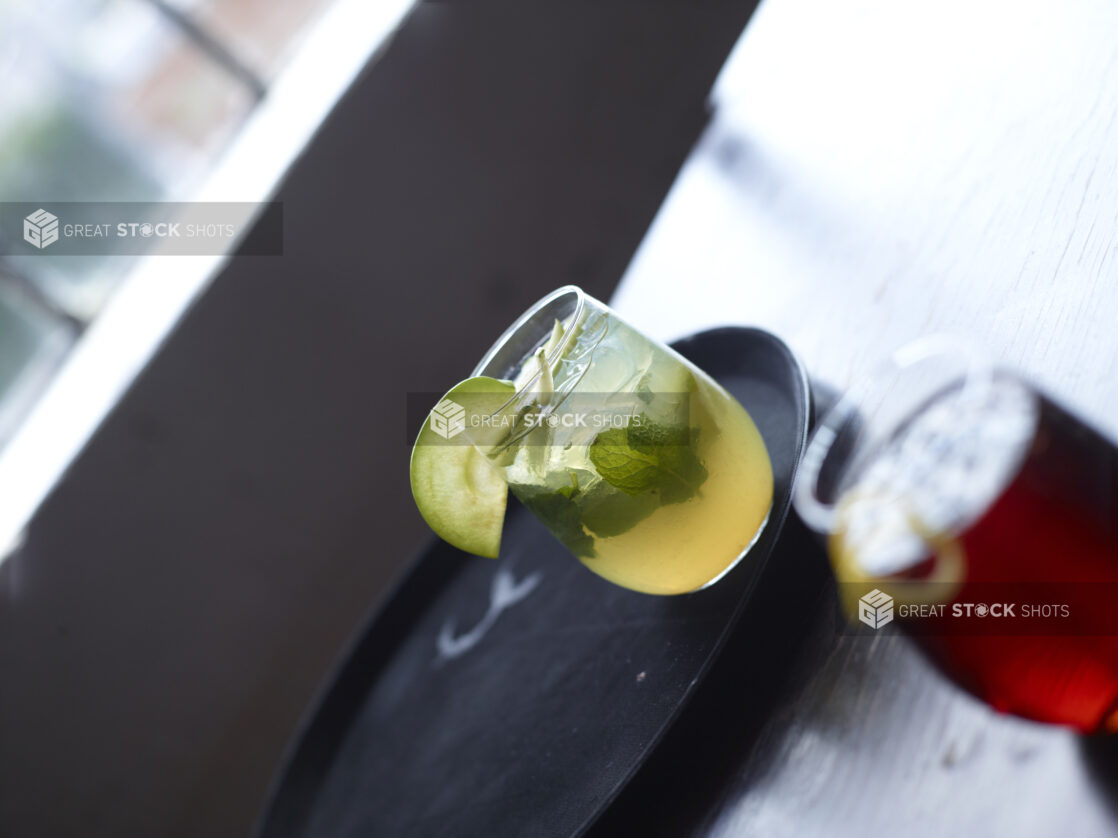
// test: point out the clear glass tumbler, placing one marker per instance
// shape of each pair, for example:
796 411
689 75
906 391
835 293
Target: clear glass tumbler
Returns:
642 465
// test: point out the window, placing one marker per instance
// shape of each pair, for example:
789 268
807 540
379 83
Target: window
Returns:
115 100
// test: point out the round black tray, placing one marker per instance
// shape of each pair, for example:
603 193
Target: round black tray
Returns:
517 697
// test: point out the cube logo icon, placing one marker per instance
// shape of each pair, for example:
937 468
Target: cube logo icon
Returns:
875 609
448 419
40 229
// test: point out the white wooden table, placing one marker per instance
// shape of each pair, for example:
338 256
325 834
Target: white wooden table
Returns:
874 172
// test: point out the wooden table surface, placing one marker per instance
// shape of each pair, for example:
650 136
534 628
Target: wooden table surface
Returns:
874 172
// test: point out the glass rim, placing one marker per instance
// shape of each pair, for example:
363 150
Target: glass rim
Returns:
975 370
582 299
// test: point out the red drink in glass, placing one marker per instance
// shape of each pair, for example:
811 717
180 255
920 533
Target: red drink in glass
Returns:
990 514
1048 541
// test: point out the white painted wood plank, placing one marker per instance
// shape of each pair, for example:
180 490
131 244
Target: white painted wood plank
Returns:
874 172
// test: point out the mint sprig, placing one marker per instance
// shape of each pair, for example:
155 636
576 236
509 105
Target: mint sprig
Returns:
606 512
559 510
650 457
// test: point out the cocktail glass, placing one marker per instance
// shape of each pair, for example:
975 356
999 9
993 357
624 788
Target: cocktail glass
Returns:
642 465
960 500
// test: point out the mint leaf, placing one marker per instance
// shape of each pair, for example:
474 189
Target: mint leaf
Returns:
607 512
559 511
650 457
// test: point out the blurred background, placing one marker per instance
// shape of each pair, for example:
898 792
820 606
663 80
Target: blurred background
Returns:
114 101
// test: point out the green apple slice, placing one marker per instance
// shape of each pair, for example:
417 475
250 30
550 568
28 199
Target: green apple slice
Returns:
460 494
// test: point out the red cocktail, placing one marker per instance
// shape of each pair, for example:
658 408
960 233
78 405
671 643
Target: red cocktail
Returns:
986 518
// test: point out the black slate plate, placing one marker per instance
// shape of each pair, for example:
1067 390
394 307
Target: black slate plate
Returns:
547 703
